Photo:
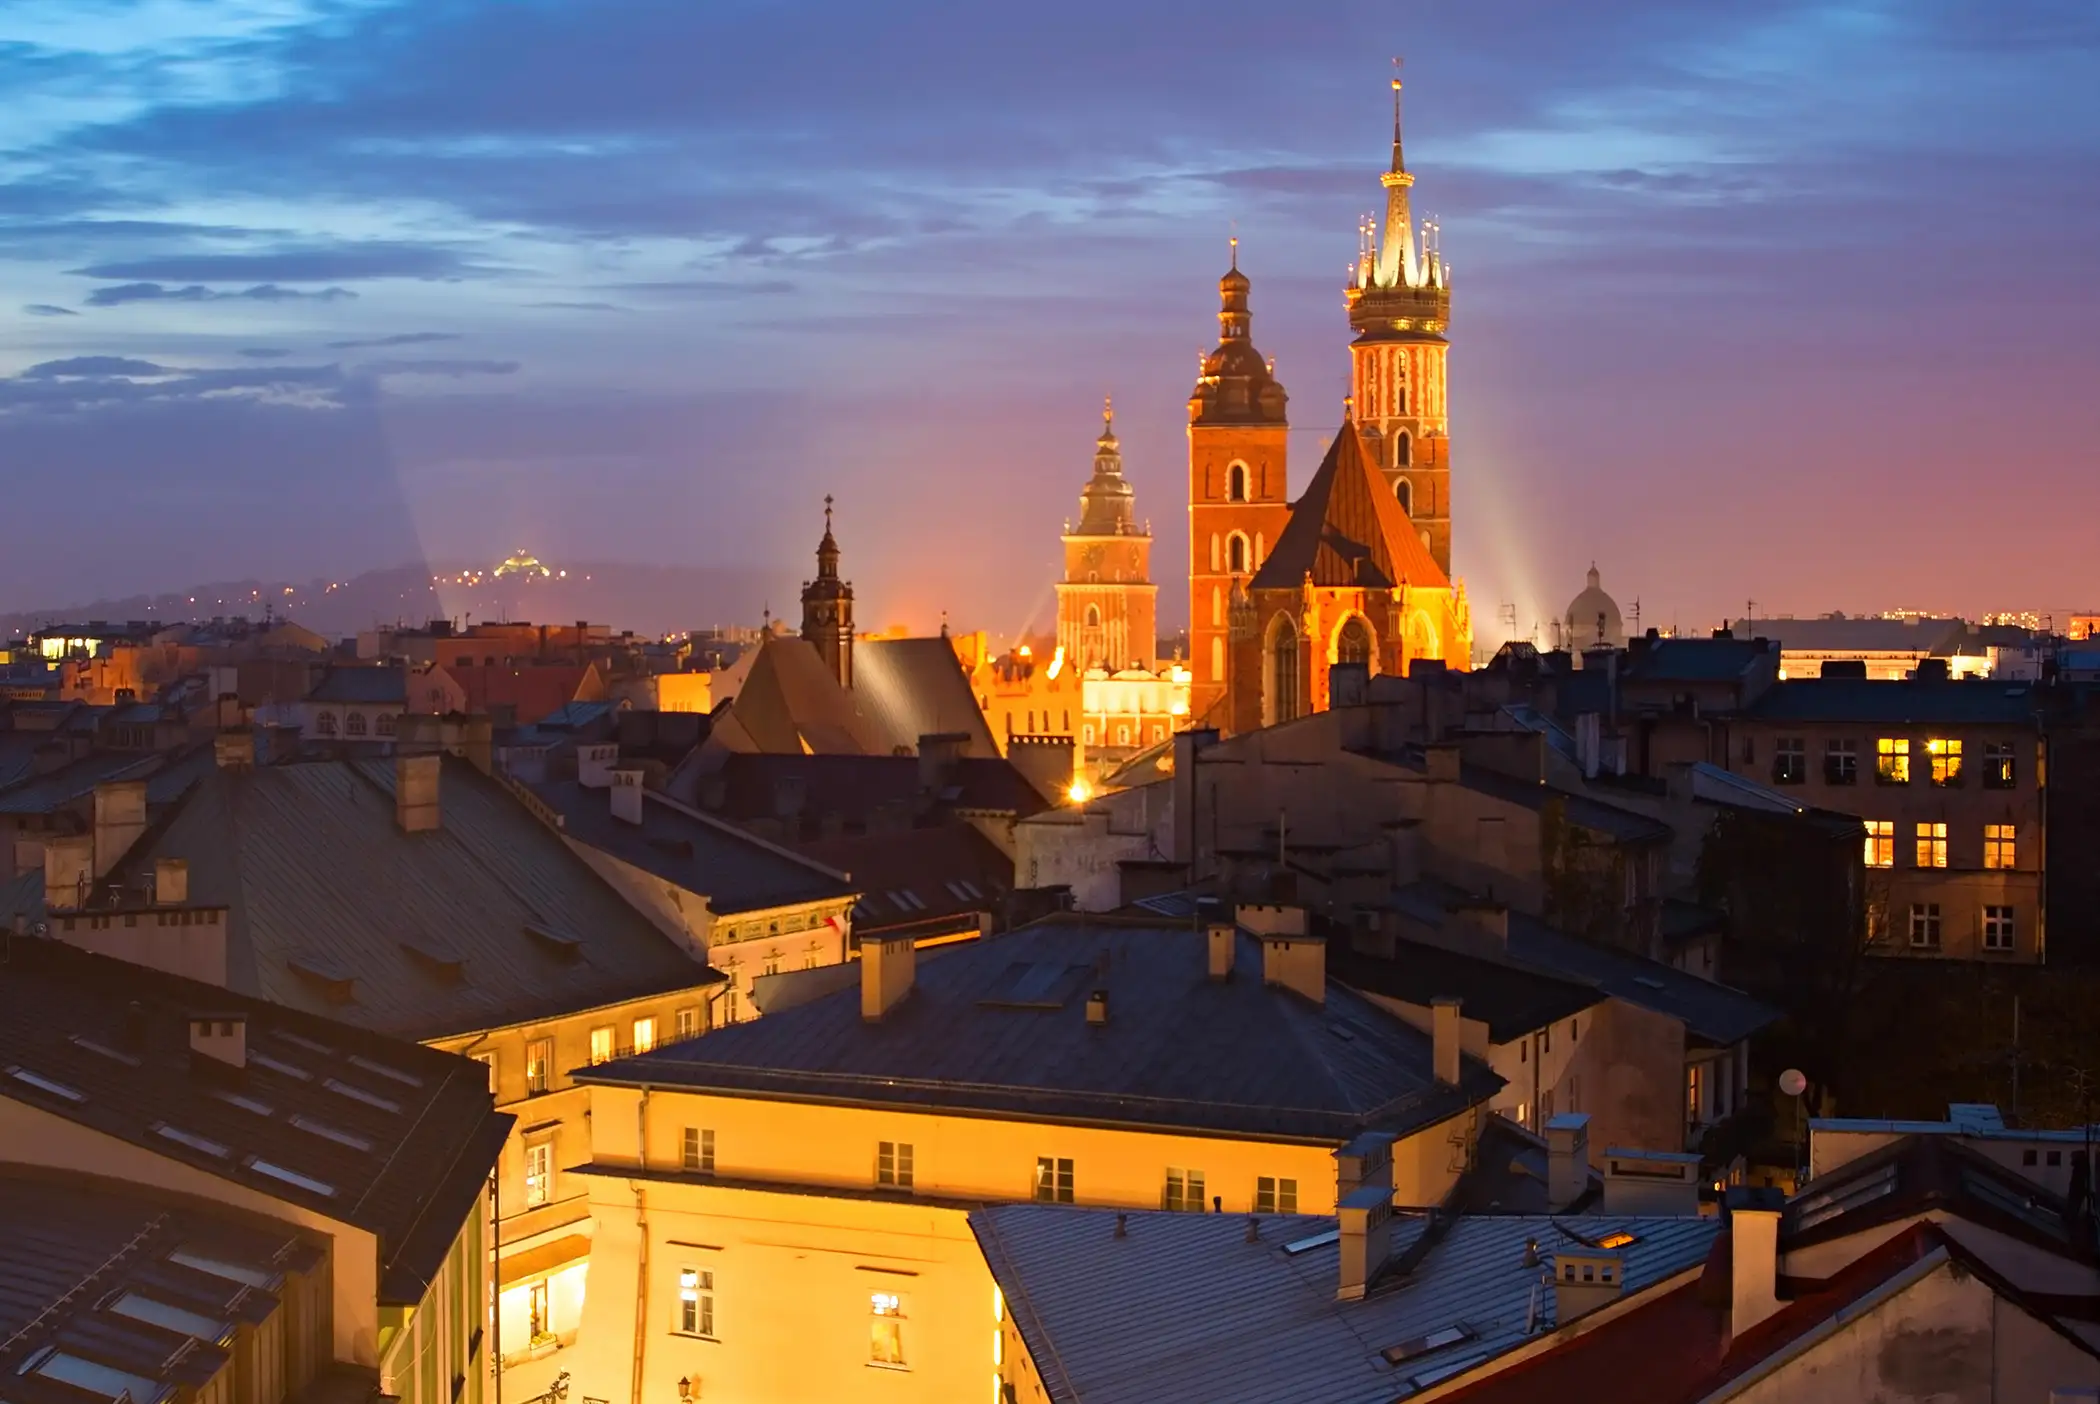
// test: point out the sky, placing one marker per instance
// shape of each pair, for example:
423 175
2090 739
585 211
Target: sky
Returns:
1784 302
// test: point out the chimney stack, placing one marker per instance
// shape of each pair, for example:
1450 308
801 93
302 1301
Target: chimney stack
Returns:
1567 1159
1223 938
1651 1182
234 750
1290 956
1366 1160
220 1037
416 793
1445 1027
68 871
627 796
939 754
1366 1217
171 882
1753 1241
120 817
1584 1279
887 967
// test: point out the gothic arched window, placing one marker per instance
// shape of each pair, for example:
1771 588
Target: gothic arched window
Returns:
1236 483
1353 644
1403 449
1405 491
1214 551
1283 671
1217 607
1217 660
1093 616
325 723
1236 554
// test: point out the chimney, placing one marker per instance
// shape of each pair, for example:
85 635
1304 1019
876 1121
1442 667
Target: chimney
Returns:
120 817
887 964
1366 1215
1223 938
1445 1024
1567 1159
234 750
1651 1182
1753 1241
1442 762
938 754
220 1037
627 796
1297 963
1349 685
68 871
416 793
1097 1009
1367 1160
1484 925
594 765
1583 1280
171 882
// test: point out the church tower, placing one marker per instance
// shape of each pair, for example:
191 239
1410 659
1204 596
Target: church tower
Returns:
827 608
1107 605
1238 495
1399 302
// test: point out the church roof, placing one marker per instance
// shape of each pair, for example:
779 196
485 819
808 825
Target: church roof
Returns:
1348 529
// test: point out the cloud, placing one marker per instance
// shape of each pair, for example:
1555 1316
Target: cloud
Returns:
711 287
398 339
453 369
263 353
92 366
339 263
46 309
580 306
124 293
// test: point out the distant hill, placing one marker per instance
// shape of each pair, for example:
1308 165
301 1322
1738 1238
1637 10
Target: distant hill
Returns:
645 598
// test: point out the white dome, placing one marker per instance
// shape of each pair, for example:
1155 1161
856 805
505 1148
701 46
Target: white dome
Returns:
1592 618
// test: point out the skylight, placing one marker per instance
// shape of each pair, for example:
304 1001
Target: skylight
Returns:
172 1318
261 1059
358 1094
245 1103
405 1079
219 1267
189 1138
308 1044
1422 1345
330 1133
45 1084
1318 1240
1617 1240
290 1177
81 1041
97 1379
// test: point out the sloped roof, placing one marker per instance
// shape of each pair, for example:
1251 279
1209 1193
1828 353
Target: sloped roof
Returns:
908 688
856 788
998 1028
369 684
908 876
1980 701
1348 529
791 704
1510 1001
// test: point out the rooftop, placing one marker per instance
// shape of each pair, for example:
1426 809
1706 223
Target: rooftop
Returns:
386 1135
1971 700
372 685
1838 633
908 688
1510 1001
998 1028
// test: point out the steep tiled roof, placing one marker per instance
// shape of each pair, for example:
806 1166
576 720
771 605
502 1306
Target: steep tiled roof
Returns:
998 1027
908 688
1348 529
106 1044
371 685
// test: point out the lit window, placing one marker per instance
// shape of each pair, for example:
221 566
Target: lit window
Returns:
1892 760
602 1044
696 1302
1616 1240
489 1061
644 1035
1932 845
1790 761
1925 924
1997 928
1695 1094
1998 773
1881 843
539 1173
1999 846
1184 1191
893 1164
696 1151
1274 1196
886 1329
1945 756
1840 763
539 1065
1053 1180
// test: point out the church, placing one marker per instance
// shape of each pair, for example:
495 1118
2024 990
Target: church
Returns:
1358 568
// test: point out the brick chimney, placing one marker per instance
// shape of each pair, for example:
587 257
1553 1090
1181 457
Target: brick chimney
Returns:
1296 963
627 796
416 793
1446 1025
888 965
1223 938
1366 1160
171 882
1567 1159
120 817
1366 1215
221 1037
1753 1234
1585 1279
69 870
234 750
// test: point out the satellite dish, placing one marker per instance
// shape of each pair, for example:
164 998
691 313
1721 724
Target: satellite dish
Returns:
1793 1082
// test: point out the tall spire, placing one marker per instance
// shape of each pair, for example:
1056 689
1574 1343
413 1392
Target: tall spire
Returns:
827 608
1397 266
1399 161
828 548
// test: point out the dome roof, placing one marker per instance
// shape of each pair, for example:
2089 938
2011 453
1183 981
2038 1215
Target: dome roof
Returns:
1593 617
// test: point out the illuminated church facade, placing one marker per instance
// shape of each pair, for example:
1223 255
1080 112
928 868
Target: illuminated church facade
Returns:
1358 568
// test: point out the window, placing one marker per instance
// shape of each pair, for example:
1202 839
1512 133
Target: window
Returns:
886 1329
1283 672
1840 763
539 1065
1217 607
1997 928
539 1172
644 1035
1214 551
386 724
1892 760
488 1060
1236 483
1093 616
1184 1191
325 723
1217 660
536 1312
1403 450
1274 1196
1932 845
1881 843
1999 846
354 724
1790 760
1053 1180
893 1164
602 1044
1405 492
1695 1093
1925 924
1236 554
1945 756
696 1150
687 1022
696 1302
1353 643
1998 765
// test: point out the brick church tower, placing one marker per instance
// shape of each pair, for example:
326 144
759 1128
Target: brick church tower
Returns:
1107 605
1400 307
1238 496
827 608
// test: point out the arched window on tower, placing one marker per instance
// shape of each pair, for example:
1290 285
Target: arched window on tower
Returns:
1236 554
1353 644
1236 483
1214 551
1217 660
1217 607
1283 672
1403 449
1260 552
1093 616
1405 491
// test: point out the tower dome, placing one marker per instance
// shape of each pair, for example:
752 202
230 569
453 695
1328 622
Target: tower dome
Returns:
1106 504
1592 619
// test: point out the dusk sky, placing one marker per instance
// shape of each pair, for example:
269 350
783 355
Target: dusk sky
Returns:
1792 302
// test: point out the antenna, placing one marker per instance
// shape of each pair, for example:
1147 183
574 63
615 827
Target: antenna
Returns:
1636 616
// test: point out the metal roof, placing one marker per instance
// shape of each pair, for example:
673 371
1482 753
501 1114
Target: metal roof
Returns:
998 1028
372 684
1183 1307
1511 1002
1837 633
366 1130
908 688
1978 701
75 781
